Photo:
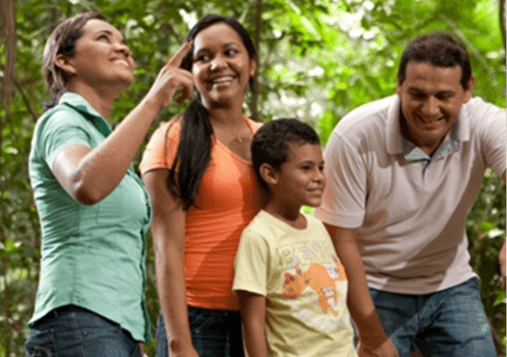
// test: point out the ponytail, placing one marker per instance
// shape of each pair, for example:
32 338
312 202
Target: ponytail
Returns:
53 101
193 154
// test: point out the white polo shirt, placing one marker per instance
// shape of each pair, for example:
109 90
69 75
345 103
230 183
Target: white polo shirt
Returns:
410 210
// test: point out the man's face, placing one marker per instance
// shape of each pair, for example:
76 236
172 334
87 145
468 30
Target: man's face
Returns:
431 100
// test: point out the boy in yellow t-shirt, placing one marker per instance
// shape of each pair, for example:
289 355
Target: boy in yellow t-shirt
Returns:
291 285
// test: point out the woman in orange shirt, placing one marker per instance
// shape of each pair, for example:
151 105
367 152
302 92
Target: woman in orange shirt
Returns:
197 171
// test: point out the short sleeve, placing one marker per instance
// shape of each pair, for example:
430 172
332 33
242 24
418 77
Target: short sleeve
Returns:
251 264
161 149
62 129
493 141
344 199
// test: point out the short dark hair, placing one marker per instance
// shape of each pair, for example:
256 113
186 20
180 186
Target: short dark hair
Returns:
270 143
63 41
439 49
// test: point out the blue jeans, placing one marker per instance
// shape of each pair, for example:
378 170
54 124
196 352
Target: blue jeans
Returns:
73 331
215 333
448 323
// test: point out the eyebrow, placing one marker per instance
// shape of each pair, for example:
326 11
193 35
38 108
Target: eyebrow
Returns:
443 91
108 32
225 45
309 162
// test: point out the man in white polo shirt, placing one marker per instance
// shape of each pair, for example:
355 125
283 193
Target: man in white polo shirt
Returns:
403 172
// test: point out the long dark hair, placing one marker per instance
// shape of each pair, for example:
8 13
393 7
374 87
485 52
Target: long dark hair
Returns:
62 41
194 148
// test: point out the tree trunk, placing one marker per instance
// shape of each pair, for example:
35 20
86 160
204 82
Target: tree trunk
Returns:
502 20
8 33
257 40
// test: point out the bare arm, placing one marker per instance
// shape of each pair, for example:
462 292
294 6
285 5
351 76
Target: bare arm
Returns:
89 175
168 232
502 255
372 339
253 316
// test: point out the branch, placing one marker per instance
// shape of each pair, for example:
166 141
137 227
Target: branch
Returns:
170 27
471 48
32 111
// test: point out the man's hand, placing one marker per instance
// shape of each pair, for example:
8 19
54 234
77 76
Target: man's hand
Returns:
386 349
501 261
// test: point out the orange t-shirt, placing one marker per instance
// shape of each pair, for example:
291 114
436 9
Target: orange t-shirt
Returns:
228 201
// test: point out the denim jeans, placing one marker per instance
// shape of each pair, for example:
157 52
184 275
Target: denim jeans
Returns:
447 323
215 333
73 331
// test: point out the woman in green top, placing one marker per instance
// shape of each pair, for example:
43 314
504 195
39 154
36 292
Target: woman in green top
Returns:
93 209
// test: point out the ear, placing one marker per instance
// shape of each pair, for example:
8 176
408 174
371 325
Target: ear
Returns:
469 90
398 86
253 68
268 174
65 63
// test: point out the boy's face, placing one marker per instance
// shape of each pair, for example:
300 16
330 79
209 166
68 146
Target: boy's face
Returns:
301 178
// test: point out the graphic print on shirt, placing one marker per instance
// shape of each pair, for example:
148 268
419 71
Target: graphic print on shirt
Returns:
320 279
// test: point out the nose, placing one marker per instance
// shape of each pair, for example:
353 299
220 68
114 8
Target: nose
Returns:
319 176
123 48
217 63
431 107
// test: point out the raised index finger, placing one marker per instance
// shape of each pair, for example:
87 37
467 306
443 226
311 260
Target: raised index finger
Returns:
178 57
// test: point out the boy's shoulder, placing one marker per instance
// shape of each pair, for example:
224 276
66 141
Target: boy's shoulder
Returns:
265 224
312 221
261 221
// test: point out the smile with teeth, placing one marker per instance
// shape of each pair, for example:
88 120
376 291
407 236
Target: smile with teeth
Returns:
430 121
225 79
122 62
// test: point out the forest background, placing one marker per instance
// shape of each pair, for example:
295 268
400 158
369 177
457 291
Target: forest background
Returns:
318 60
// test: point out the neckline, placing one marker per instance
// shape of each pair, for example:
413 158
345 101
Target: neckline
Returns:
285 225
231 153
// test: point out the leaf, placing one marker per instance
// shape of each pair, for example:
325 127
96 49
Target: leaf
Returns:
486 226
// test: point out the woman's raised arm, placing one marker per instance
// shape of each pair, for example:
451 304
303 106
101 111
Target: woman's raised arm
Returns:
90 175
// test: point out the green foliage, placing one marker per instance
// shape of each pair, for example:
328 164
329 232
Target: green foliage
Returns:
318 59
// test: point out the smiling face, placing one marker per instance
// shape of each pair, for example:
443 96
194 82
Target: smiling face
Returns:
101 58
300 180
431 100
221 66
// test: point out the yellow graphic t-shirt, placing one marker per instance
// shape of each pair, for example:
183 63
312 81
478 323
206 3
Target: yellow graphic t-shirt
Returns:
304 283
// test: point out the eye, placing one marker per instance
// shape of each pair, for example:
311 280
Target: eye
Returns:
305 168
103 37
231 52
418 95
321 167
202 58
445 95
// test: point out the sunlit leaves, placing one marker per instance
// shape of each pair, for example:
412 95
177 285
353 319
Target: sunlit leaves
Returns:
319 59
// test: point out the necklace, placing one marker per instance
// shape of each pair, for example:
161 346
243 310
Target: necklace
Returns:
235 135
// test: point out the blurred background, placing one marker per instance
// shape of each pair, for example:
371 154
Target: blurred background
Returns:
318 59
